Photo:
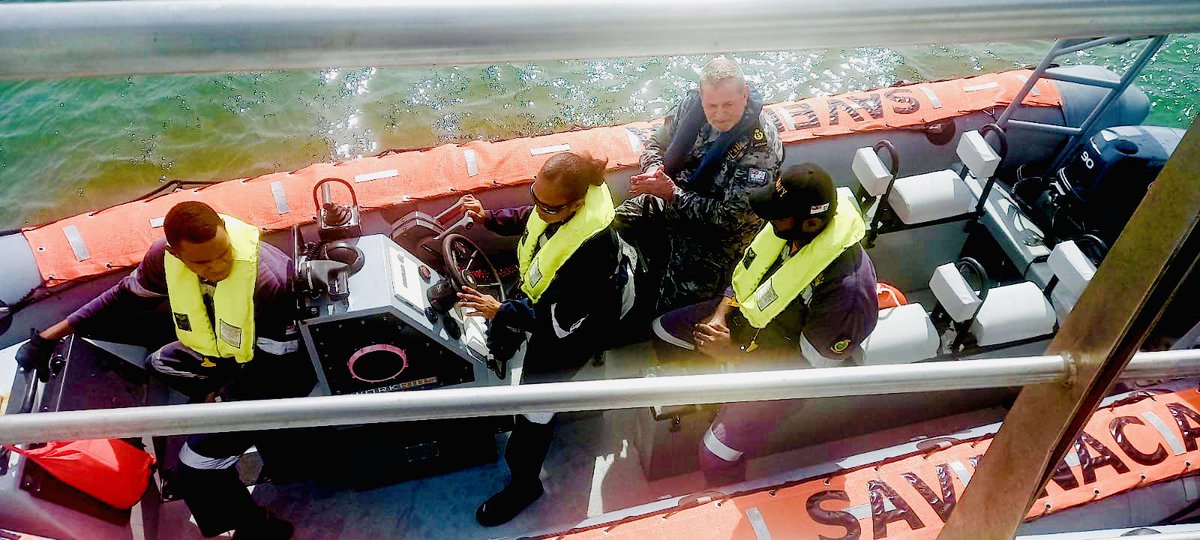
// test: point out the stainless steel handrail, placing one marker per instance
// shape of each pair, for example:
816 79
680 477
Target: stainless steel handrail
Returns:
567 396
74 39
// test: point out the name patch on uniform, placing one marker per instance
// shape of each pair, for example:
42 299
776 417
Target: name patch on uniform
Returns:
535 273
182 322
758 176
231 334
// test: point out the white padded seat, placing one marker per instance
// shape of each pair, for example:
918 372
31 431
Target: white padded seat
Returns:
930 197
1072 268
1074 271
977 155
871 173
953 293
904 334
1013 313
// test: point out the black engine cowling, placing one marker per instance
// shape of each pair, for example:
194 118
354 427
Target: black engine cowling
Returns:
1097 191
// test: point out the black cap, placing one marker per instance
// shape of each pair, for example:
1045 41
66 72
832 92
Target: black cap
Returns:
802 191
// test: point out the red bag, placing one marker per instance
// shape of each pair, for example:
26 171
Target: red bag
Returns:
889 296
111 470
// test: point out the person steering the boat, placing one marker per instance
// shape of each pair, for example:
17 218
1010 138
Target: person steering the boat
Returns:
234 317
689 212
802 295
576 285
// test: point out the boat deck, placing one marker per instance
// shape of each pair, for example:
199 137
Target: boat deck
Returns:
603 476
593 474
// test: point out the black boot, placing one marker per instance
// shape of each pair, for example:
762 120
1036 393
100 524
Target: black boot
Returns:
510 501
527 449
217 499
267 527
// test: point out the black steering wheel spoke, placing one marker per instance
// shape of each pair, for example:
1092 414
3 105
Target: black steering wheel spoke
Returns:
461 257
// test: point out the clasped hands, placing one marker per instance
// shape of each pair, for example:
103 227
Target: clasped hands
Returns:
655 182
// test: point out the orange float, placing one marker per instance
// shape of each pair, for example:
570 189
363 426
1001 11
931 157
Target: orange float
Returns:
117 237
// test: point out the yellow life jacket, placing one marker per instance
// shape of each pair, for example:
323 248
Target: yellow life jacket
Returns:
233 301
761 297
537 272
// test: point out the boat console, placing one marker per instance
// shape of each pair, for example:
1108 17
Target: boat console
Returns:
378 318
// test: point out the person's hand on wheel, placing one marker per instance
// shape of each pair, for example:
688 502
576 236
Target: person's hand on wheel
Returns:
483 305
35 354
473 208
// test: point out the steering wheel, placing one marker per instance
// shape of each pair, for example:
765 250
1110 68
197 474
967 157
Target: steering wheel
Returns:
469 266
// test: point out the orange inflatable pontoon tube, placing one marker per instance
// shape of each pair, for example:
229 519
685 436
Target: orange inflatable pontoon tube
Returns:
1123 447
96 243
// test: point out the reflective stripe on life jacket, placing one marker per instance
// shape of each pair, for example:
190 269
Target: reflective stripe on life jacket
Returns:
537 272
233 300
761 297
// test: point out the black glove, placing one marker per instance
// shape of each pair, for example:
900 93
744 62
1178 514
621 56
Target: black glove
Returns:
503 342
36 355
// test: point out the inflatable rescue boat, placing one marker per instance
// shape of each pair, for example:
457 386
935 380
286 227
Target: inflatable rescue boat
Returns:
989 247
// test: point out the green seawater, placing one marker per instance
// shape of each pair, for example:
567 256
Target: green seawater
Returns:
68 146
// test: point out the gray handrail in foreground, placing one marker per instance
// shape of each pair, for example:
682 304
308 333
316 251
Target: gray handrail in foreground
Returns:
567 396
74 39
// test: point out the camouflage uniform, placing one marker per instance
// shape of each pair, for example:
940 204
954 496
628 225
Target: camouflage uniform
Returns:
704 232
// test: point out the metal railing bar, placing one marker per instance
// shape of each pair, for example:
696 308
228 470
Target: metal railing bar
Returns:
1051 128
1038 71
559 397
1097 43
125 37
1090 81
1147 54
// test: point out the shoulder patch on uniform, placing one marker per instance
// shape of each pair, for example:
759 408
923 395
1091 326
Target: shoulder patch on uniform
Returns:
758 176
840 346
758 138
748 258
182 322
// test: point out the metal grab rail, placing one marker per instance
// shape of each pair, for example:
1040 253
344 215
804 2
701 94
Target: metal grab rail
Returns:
568 396
1077 135
74 39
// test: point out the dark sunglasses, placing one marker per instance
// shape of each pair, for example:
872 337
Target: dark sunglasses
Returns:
548 209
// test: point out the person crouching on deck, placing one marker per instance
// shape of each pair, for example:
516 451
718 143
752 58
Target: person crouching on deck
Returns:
234 318
576 276
804 291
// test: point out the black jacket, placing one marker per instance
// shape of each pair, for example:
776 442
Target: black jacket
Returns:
577 315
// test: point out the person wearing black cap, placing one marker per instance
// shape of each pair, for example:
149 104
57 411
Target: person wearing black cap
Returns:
804 291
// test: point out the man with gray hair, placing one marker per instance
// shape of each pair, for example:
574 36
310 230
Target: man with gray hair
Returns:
689 211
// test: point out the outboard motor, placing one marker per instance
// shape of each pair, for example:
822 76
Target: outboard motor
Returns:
1099 189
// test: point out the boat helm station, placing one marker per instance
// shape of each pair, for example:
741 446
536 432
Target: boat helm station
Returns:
382 316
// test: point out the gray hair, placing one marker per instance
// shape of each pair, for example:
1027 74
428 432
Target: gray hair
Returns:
720 70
